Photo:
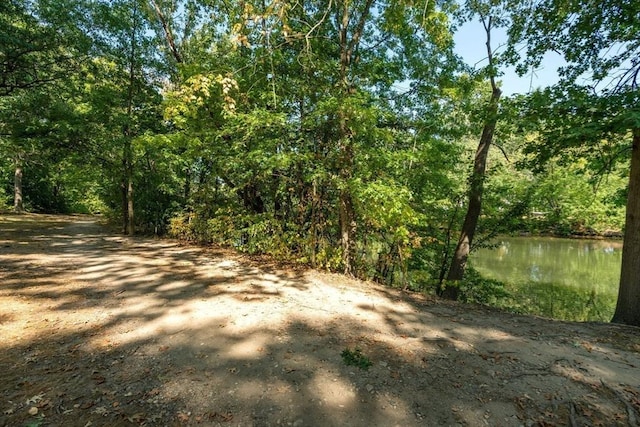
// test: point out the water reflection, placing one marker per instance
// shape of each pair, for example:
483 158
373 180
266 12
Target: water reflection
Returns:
585 264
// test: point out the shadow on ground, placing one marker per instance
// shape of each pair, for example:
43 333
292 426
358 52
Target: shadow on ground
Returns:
99 329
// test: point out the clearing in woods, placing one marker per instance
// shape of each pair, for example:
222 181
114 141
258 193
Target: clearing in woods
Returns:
98 329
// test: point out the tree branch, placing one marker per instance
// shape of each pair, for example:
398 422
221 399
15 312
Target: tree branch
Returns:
167 32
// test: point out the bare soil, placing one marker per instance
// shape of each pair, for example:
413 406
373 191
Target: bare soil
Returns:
97 329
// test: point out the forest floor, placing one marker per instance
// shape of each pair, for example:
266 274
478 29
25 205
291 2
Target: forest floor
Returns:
97 329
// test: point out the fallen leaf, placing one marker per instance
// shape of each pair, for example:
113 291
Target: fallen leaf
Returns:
100 410
35 399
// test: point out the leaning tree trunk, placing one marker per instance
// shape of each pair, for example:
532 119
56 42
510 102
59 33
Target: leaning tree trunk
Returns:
628 305
18 204
476 189
451 287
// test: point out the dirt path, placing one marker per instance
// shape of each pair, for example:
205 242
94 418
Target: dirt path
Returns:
101 330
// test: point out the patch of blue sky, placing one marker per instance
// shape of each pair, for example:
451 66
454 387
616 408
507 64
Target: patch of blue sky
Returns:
470 42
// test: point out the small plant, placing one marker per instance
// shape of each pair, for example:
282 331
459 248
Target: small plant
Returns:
356 358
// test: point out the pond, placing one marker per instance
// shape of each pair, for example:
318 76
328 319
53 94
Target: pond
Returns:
571 279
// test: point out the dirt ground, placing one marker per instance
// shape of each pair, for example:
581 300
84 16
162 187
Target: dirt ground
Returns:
97 329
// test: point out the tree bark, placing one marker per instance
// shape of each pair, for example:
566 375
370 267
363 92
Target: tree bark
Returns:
131 224
128 219
348 227
628 305
476 185
18 204
346 156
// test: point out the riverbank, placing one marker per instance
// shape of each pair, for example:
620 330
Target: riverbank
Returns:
607 234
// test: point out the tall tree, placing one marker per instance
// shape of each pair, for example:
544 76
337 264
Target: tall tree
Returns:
600 43
488 18
350 27
126 68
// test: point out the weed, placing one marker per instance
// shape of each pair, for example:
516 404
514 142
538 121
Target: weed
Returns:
356 358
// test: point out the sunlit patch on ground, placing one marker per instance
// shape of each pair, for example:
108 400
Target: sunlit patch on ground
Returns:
105 330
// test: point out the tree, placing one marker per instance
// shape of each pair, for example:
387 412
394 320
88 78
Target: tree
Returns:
124 90
601 43
477 178
40 46
312 160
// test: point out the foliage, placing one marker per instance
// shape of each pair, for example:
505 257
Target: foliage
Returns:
595 39
571 200
594 109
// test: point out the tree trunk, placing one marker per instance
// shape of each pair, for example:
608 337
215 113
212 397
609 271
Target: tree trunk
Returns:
476 185
346 214
347 230
130 212
476 189
187 186
128 133
128 220
314 222
628 305
346 162
168 33
18 204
